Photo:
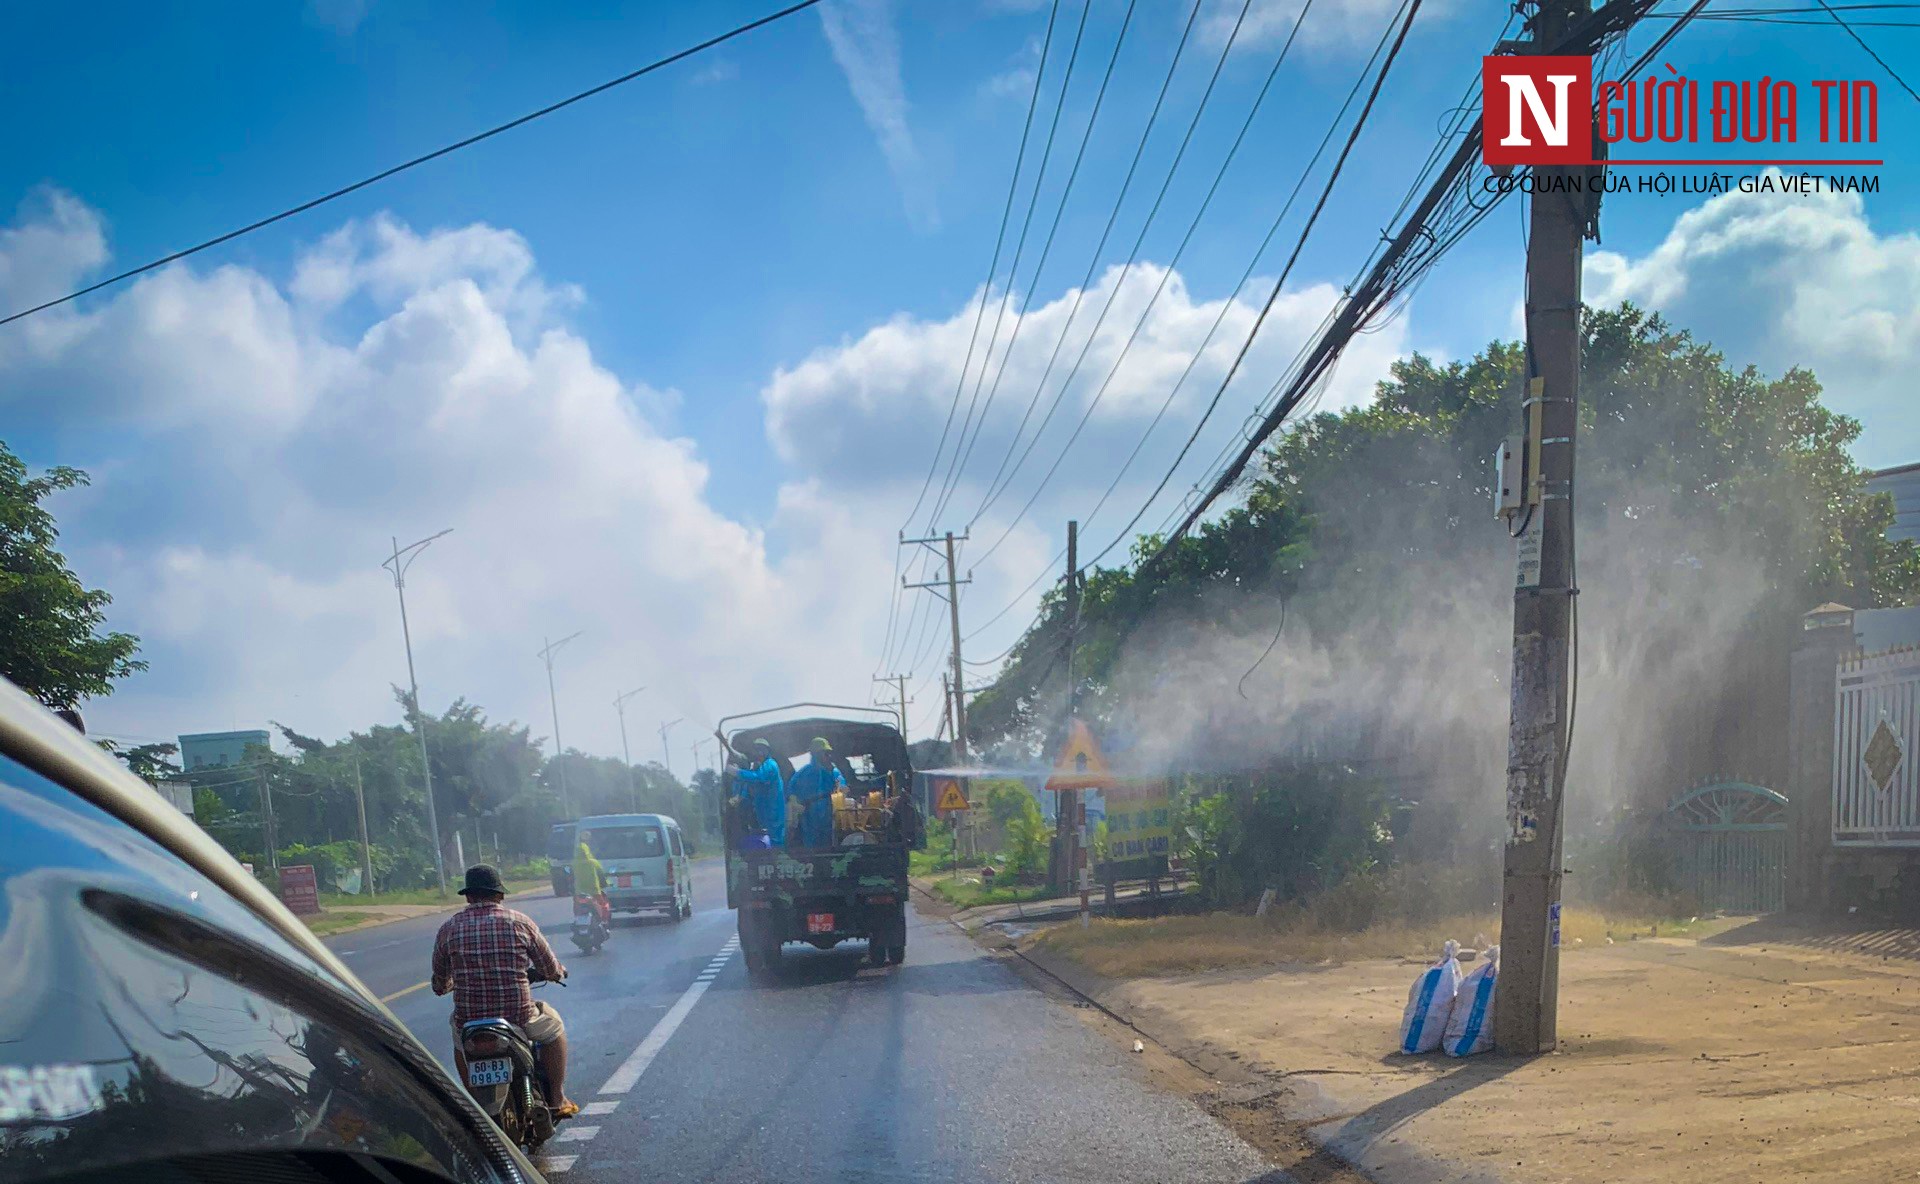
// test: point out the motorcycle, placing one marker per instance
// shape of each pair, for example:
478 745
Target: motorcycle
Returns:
592 925
507 1080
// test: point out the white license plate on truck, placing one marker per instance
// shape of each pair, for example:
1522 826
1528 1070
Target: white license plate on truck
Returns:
492 1071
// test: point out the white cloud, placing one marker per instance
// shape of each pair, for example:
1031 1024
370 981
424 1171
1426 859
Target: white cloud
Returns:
862 417
1781 281
254 446
717 71
866 46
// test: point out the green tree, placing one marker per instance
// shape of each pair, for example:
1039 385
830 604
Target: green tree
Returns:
54 644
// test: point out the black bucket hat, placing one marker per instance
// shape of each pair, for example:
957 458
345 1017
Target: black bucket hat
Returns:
483 879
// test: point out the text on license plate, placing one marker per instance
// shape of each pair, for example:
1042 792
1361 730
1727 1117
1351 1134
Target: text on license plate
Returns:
626 881
493 1071
819 922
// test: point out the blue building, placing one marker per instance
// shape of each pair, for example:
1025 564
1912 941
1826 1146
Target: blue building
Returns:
213 750
1903 482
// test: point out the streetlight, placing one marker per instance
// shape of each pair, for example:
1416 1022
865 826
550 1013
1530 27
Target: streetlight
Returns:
553 699
398 563
664 752
620 705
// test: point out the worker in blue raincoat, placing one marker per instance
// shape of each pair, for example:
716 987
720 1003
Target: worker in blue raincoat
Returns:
765 797
813 787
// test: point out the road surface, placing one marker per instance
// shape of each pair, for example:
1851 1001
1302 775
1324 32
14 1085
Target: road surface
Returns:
948 1067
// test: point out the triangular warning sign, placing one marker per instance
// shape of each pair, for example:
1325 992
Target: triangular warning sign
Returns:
951 798
1080 764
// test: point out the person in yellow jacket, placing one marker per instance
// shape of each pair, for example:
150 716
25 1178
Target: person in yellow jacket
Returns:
590 881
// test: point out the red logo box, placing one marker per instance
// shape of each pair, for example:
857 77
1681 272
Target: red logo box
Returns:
1536 110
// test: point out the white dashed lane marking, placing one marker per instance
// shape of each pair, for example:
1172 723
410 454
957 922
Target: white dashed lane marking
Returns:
551 1164
599 1108
575 1134
629 1072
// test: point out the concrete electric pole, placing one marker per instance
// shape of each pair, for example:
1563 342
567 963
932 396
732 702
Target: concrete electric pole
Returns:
1526 1016
952 585
665 753
899 703
553 700
626 754
401 559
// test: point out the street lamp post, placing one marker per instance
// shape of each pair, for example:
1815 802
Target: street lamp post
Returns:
665 753
553 700
620 705
401 559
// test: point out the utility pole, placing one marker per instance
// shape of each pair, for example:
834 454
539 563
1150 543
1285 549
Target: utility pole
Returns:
901 701
666 754
1526 1020
952 583
620 706
1067 804
553 700
401 559
269 827
946 703
366 848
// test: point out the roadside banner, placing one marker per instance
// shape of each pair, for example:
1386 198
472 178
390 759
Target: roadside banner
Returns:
1139 822
300 889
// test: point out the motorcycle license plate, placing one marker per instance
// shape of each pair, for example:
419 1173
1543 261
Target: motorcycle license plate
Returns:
819 922
493 1071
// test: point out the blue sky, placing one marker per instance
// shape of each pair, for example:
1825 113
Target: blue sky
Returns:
751 262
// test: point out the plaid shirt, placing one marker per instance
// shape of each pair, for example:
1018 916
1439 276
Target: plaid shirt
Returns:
482 955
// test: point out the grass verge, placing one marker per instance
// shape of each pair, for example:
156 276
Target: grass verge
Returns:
1219 941
417 895
336 922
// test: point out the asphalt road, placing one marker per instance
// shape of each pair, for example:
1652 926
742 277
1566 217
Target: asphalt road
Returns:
948 1067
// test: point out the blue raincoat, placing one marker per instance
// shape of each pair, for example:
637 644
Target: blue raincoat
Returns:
766 797
813 788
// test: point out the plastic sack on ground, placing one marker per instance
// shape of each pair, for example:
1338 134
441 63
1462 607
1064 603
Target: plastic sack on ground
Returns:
1429 1001
1470 1027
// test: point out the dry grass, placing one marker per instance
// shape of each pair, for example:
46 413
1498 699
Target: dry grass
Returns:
1217 941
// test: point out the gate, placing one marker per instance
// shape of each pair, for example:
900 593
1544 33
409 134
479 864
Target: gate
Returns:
1876 792
1731 840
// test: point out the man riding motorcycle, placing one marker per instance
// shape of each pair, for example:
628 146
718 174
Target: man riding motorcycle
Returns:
590 881
483 954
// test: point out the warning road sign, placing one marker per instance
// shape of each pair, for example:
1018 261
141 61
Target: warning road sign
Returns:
950 798
1080 764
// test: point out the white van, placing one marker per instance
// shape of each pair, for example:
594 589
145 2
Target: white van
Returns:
645 861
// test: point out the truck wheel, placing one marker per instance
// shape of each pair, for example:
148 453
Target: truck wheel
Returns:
897 954
877 951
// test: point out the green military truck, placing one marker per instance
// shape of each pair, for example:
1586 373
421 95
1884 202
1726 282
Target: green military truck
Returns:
855 889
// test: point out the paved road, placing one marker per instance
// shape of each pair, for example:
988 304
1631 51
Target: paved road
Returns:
945 1068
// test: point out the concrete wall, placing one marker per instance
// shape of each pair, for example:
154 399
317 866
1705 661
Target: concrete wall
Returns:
1827 633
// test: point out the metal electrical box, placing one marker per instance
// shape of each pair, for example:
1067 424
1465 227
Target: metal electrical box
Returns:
1509 477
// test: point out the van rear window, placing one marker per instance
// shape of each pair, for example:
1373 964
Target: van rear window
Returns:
626 842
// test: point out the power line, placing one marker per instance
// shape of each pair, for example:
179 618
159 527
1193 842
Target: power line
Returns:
963 447
1113 296
1046 249
993 268
1166 273
436 154
1093 261
1858 40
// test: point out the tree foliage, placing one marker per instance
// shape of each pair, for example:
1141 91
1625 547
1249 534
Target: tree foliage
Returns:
54 644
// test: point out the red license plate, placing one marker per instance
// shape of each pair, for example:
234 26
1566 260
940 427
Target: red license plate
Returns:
819 922
624 881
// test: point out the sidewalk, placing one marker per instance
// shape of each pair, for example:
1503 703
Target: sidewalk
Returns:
1754 1054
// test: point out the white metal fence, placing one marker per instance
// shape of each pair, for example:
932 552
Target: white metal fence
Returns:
1876 724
